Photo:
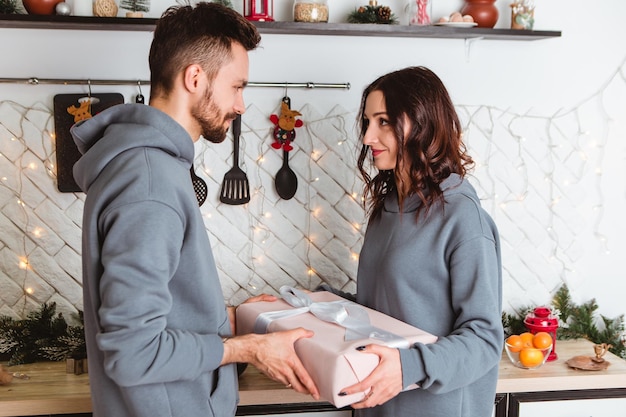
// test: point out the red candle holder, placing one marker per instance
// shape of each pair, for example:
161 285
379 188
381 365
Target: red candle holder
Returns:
259 10
541 319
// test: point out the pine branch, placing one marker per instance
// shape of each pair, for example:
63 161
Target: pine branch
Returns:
135 5
43 335
9 7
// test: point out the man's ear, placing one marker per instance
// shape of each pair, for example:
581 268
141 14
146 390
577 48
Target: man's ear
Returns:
193 77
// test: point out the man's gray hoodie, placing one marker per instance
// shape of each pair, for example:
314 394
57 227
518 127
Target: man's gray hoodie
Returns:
153 306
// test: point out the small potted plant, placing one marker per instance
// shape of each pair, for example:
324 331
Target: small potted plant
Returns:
9 7
135 7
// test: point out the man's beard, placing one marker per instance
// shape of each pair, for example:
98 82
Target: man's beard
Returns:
208 115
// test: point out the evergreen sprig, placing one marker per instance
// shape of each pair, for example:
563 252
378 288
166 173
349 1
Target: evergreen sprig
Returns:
9 7
42 335
372 13
135 5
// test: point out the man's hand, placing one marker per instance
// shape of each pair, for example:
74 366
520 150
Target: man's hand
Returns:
275 356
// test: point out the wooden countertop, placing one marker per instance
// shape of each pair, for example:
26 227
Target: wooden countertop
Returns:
52 391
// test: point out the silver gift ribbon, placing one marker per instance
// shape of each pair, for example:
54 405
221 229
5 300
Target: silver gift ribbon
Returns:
345 313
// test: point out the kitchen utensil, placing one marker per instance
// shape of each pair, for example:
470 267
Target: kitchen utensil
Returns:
139 98
286 182
235 187
199 186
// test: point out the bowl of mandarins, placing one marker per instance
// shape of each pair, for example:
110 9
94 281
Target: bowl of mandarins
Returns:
528 350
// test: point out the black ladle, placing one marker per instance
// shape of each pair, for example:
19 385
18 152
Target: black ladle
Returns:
286 182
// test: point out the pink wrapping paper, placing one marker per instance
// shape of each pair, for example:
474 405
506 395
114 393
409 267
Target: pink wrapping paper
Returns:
332 362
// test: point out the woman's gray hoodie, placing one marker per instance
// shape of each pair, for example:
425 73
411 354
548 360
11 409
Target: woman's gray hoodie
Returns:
443 274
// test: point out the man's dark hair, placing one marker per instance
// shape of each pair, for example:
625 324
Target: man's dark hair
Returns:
203 35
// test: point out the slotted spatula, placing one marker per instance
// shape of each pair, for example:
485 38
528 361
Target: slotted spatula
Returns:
199 186
235 188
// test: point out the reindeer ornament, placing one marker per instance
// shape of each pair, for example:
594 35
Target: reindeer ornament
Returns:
284 132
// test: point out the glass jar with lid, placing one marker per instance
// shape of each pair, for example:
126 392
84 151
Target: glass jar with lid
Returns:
310 11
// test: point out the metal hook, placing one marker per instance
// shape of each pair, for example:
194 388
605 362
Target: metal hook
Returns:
140 99
89 87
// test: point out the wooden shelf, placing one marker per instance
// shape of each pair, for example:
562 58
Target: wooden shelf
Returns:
280 28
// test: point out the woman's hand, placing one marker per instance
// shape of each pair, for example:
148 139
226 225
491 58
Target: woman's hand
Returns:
385 381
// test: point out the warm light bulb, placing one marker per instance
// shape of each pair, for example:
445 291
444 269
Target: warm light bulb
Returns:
29 290
23 263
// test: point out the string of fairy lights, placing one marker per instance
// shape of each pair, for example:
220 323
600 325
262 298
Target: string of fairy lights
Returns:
259 209
534 172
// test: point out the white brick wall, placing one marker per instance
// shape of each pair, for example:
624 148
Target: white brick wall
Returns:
535 173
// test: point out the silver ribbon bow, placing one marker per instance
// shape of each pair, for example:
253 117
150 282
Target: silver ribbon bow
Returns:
345 313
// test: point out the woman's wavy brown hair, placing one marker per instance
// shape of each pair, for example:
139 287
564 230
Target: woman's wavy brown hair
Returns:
433 148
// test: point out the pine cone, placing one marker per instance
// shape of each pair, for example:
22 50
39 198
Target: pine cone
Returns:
384 13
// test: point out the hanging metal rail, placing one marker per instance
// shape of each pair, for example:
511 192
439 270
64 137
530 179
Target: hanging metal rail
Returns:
39 81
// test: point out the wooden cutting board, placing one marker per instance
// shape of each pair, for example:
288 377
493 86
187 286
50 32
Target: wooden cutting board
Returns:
69 109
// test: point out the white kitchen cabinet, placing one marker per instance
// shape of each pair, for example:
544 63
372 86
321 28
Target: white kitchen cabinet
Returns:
607 407
578 403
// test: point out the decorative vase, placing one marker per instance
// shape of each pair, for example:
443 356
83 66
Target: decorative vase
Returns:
522 14
484 12
42 7
420 12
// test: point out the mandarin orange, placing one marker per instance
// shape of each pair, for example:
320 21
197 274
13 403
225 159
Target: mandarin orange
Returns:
530 357
542 340
515 343
527 339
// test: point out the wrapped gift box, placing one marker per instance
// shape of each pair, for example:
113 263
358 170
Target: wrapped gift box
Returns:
332 361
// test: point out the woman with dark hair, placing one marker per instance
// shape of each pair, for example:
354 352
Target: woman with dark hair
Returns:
431 254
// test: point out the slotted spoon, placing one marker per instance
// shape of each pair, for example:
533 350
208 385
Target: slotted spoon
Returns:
235 188
199 186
